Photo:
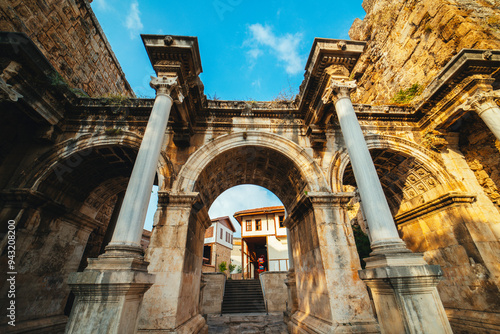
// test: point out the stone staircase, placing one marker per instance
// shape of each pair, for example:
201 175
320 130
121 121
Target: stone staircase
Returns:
249 323
243 296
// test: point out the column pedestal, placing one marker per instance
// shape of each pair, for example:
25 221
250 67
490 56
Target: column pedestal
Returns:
109 294
405 296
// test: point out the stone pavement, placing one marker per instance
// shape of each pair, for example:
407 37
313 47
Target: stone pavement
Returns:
247 323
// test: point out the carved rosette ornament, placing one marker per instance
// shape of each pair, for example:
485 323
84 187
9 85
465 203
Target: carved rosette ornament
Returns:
339 89
482 101
167 86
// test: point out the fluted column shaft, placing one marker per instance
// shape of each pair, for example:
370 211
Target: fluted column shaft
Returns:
128 232
375 207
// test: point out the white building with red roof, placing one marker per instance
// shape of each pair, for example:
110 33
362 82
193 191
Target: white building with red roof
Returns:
263 233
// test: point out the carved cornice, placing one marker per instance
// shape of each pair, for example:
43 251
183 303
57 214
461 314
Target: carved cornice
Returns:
166 198
467 63
451 106
433 205
330 199
309 200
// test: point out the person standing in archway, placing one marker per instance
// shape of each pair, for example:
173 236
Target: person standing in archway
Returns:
261 261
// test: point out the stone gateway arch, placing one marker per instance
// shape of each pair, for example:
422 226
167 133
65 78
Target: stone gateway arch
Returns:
78 185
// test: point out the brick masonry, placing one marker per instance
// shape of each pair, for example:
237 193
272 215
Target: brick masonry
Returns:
71 38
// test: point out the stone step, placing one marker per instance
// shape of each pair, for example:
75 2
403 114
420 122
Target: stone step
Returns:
247 323
256 294
243 296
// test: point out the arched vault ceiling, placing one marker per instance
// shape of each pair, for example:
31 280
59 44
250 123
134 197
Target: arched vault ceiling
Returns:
251 165
84 171
402 177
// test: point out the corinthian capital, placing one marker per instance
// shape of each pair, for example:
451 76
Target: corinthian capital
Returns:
482 101
339 88
167 86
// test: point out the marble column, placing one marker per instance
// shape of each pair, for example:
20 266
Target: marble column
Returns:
384 235
128 232
403 285
110 291
483 103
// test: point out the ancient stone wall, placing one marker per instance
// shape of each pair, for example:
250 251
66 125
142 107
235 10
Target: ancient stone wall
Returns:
446 237
69 36
275 291
409 42
48 249
213 293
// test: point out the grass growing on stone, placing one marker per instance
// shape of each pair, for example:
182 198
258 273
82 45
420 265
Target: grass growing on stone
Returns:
405 96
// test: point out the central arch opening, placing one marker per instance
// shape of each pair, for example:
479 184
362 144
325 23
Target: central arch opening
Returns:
257 216
234 172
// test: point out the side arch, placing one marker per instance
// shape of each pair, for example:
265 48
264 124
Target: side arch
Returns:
37 172
396 144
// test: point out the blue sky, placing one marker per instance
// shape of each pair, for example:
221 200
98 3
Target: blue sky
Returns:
250 50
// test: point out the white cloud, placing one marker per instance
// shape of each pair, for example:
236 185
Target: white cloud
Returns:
239 198
285 47
256 83
254 53
133 20
101 4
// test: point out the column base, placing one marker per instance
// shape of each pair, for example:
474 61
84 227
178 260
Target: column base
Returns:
123 251
405 294
301 323
108 295
394 260
389 247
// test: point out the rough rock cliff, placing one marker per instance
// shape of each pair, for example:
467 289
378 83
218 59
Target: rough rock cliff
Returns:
409 41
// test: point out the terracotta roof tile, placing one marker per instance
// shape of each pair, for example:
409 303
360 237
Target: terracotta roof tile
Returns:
268 208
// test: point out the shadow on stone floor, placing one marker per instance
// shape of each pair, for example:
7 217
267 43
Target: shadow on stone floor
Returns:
247 323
